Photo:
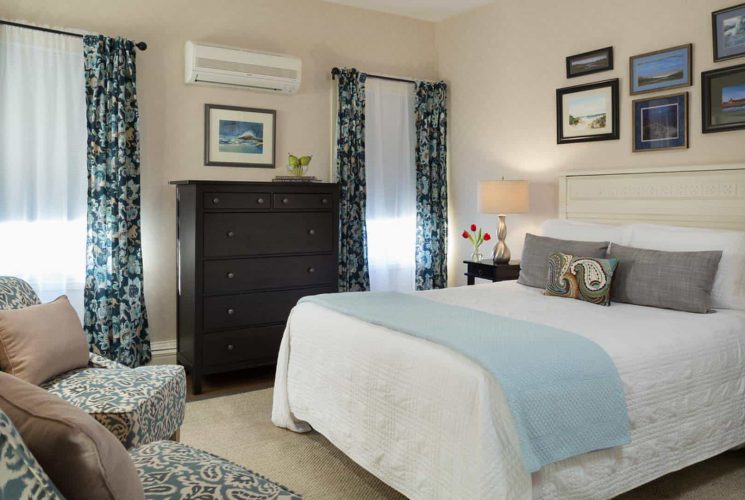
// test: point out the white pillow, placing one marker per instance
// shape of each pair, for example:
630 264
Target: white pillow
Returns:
729 284
584 231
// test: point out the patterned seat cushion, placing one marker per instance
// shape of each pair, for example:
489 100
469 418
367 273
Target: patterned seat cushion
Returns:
138 405
21 476
175 470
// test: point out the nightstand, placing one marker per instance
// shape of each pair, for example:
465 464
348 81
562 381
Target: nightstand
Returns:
488 270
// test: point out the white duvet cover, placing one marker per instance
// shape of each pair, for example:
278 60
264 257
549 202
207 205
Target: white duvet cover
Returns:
433 424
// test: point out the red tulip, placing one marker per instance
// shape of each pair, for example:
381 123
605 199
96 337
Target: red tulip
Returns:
465 234
473 227
487 236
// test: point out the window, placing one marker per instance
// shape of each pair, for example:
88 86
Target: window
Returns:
43 180
391 184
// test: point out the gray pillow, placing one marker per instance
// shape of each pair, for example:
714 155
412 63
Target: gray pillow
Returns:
537 250
671 280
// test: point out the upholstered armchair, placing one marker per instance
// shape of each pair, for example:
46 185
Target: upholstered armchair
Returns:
166 469
138 406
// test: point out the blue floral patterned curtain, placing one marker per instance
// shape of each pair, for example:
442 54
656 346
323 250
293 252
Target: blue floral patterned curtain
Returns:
115 317
431 185
350 155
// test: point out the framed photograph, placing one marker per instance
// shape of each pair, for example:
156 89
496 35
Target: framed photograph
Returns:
723 99
728 31
587 112
661 122
590 62
663 69
239 137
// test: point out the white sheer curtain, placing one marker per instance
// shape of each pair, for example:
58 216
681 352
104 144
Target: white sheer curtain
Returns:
391 184
43 180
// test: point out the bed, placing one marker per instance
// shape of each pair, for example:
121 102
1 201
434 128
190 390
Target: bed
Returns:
434 424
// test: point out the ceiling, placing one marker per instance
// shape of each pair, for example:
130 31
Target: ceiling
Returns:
428 10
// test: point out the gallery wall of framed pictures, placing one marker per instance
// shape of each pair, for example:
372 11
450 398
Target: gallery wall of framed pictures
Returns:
660 120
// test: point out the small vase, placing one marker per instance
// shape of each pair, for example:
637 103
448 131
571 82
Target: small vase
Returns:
476 256
298 171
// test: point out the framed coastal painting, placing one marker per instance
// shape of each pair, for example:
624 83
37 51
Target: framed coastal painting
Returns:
239 137
728 31
661 122
723 99
587 112
662 69
590 62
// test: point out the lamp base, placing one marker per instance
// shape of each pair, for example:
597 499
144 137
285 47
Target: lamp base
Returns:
501 253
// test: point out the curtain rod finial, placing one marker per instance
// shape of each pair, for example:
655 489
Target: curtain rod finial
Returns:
335 72
141 45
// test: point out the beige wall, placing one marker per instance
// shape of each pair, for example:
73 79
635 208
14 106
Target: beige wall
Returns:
504 62
322 34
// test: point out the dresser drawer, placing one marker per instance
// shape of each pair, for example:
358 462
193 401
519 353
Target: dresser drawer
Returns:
219 200
254 308
231 234
247 346
291 201
268 272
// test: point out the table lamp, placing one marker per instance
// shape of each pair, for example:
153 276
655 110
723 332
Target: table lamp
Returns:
503 197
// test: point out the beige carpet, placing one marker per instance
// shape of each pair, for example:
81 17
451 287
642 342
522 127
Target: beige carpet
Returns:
238 428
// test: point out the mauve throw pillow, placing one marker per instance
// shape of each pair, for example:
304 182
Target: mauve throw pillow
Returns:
40 342
538 249
83 459
669 280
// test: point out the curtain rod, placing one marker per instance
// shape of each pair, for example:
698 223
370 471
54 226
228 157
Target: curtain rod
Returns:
139 45
335 72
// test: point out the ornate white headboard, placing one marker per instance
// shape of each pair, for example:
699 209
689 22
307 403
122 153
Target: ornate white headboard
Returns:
707 196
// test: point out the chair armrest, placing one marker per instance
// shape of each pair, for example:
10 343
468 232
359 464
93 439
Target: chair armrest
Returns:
98 361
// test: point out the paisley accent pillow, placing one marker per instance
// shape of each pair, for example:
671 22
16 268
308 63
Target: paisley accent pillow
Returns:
582 278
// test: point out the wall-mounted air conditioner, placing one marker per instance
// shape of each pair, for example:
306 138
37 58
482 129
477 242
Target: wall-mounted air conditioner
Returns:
217 65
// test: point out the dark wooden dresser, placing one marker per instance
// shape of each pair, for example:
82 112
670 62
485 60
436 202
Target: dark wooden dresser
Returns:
247 251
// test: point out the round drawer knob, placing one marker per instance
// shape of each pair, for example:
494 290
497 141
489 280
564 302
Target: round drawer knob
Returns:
230 347
311 232
311 270
285 201
231 234
260 201
325 201
231 276
231 311
215 200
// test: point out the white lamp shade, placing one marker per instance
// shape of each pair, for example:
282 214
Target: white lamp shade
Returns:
503 197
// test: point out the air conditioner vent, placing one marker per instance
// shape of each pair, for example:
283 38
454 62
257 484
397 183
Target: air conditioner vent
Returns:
249 69
241 85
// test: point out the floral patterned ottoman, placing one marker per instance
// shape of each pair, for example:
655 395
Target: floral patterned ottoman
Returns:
138 405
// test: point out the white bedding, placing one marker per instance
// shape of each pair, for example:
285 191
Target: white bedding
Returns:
433 424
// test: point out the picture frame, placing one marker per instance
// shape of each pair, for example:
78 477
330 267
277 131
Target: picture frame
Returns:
587 112
660 123
723 99
661 70
235 136
728 32
590 62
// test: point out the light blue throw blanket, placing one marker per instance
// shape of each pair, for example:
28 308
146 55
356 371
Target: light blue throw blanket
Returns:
563 390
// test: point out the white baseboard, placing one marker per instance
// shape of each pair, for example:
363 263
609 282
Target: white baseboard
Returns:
164 352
